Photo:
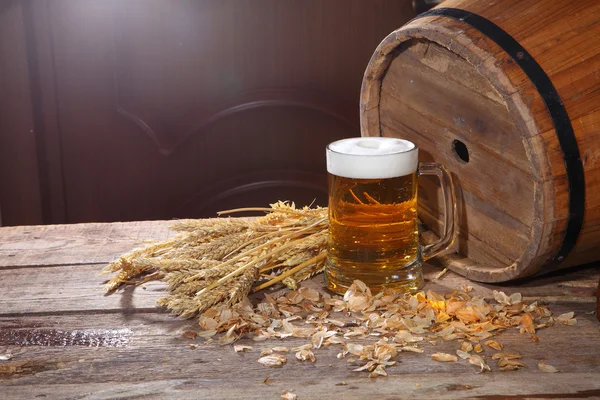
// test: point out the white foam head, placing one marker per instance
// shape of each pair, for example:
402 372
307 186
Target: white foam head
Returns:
372 158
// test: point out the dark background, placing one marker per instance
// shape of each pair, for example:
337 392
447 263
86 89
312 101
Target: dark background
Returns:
115 110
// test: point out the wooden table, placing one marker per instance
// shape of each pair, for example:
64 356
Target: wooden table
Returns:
69 340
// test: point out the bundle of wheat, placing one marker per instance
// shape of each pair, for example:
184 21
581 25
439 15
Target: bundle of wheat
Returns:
219 260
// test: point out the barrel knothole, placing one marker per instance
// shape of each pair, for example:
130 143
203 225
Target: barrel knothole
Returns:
460 151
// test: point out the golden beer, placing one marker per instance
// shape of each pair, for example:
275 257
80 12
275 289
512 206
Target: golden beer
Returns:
373 231
373 224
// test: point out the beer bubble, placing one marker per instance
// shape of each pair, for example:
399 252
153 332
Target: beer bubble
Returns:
372 158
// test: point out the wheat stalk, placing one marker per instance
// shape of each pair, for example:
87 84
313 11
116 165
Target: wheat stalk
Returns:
220 260
261 258
291 271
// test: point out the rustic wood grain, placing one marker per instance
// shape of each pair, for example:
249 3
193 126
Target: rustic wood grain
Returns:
70 341
423 385
155 352
437 79
157 355
59 289
69 288
75 244
76 285
417 101
421 101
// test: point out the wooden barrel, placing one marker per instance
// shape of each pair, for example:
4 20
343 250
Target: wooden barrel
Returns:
506 94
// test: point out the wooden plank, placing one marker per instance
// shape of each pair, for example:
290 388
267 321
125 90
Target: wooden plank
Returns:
577 284
578 89
420 78
479 226
459 71
587 138
79 288
156 353
423 385
68 338
71 288
75 244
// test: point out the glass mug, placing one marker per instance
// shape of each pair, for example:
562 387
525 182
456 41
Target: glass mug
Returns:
373 223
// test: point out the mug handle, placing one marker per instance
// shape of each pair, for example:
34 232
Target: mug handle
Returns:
447 238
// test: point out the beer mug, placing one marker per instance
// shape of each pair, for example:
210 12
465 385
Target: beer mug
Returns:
373 223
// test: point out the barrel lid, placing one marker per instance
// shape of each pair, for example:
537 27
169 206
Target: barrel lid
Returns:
436 98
